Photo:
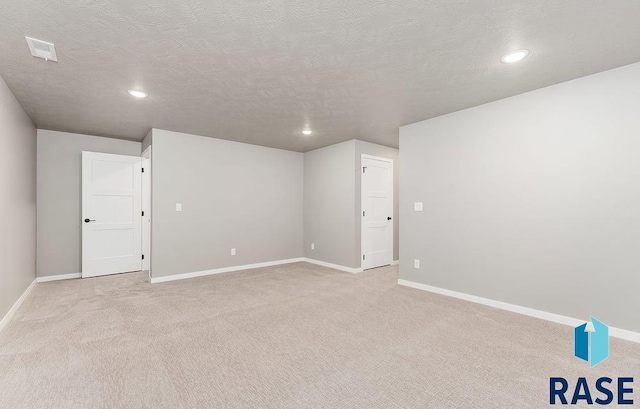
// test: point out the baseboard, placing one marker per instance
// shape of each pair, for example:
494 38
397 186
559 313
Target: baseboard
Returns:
342 268
183 276
17 305
547 316
59 277
624 334
334 266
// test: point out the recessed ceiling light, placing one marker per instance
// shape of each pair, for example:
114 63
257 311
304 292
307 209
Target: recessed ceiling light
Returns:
137 93
514 56
307 131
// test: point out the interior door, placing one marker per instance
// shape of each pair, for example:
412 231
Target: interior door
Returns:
377 211
146 210
111 212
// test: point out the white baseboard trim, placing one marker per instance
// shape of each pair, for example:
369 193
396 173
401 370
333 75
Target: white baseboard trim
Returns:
183 276
395 262
334 266
624 334
547 316
17 305
59 277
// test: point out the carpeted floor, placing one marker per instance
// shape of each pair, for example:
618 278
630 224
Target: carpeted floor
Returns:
292 336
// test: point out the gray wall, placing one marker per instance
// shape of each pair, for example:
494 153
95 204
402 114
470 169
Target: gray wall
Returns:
533 200
234 195
60 196
329 203
373 149
146 142
17 200
332 180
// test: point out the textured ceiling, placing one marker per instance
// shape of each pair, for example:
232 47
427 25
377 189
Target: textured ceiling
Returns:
257 71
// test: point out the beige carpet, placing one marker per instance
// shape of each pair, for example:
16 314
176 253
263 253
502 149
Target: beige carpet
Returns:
293 336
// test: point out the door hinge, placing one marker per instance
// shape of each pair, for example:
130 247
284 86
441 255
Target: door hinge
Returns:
143 212
364 257
142 170
363 213
364 169
143 256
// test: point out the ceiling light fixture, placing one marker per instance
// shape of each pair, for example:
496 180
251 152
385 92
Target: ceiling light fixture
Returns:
307 131
137 93
42 49
514 56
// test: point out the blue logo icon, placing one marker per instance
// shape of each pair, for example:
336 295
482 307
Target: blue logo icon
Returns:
593 346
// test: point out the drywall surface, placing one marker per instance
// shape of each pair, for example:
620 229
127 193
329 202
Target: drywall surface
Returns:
233 195
60 196
532 200
17 200
373 149
329 203
146 142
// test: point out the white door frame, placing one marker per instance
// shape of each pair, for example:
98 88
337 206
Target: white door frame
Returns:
362 225
146 208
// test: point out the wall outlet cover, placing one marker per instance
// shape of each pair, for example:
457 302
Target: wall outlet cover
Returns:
233 252
313 246
416 263
417 206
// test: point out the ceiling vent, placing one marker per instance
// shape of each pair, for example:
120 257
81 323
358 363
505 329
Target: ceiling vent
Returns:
42 49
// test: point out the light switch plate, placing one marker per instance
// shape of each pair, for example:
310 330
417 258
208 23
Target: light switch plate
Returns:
416 263
313 246
233 252
417 206
178 207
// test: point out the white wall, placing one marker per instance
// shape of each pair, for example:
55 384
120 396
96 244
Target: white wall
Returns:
60 196
234 195
532 200
17 200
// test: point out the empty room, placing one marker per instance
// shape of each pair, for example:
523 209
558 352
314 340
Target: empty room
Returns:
319 204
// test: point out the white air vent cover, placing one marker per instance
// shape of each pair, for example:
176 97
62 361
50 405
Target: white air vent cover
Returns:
42 49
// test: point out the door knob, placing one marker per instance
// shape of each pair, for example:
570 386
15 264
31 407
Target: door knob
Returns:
388 218
88 220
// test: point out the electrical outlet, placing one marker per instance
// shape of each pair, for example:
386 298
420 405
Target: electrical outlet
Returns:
178 207
313 246
416 263
233 252
417 206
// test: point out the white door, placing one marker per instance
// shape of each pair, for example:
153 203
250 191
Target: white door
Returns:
377 211
111 212
146 210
